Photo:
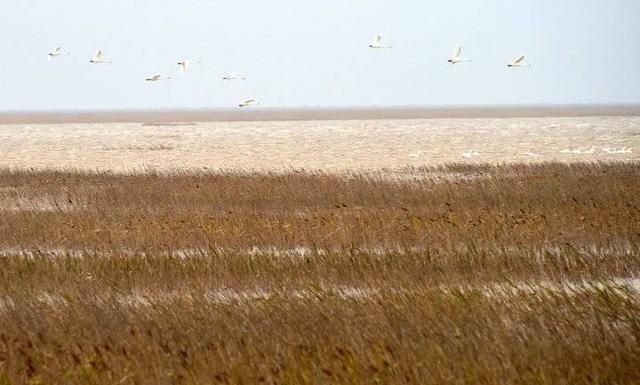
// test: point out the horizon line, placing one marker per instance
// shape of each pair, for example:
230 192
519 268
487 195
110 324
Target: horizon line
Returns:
328 106
265 113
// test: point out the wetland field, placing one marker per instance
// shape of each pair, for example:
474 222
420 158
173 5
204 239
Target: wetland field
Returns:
464 273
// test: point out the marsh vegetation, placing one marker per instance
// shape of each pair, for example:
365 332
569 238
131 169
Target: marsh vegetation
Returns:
460 274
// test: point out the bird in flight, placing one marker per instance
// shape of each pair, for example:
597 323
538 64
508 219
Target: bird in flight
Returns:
248 102
377 42
156 77
56 52
98 58
183 65
457 56
233 76
518 62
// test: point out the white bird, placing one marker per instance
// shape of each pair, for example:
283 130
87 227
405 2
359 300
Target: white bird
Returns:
233 76
377 42
457 56
518 62
98 58
185 64
156 77
570 150
248 102
56 52
470 154
615 150
624 150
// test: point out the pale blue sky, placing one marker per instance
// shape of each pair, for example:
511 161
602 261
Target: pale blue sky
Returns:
314 53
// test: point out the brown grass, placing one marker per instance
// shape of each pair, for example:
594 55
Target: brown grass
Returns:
513 274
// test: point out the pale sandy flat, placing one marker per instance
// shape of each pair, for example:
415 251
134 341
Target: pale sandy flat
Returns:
316 144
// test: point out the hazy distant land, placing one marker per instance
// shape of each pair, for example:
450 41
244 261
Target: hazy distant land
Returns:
327 113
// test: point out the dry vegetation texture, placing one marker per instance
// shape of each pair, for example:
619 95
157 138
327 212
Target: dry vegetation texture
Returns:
519 274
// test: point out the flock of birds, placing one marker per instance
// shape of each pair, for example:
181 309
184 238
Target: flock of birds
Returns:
376 43
183 65
592 150
585 151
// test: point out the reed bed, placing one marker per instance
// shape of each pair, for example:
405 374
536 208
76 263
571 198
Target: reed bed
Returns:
483 274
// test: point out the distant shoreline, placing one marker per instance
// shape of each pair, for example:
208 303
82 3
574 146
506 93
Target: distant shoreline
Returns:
324 113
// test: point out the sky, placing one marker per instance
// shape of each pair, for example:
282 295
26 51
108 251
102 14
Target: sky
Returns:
303 53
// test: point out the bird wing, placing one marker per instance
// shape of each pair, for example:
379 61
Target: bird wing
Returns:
458 51
98 54
377 39
249 101
519 59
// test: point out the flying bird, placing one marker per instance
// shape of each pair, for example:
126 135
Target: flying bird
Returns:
156 77
185 64
98 58
519 62
233 76
457 56
248 102
377 42
56 52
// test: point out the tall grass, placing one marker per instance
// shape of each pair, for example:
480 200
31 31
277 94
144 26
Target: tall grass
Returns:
461 274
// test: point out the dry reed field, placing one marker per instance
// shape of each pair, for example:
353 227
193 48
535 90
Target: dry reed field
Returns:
459 274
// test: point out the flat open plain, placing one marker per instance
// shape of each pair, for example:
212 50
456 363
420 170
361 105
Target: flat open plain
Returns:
340 140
